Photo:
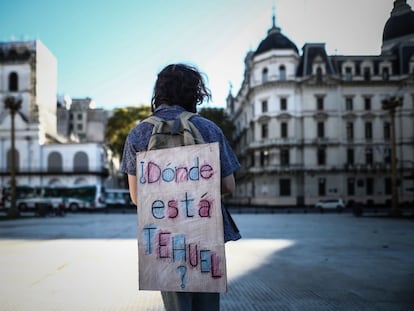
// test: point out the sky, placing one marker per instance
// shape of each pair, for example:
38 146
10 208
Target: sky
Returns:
111 51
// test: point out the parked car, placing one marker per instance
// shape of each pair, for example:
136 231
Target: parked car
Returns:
118 198
336 204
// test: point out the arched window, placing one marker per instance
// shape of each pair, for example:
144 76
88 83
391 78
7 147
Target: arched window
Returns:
80 181
348 72
54 162
55 182
282 72
80 162
16 160
13 82
265 75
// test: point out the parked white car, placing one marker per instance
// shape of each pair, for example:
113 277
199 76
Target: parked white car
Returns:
336 204
118 198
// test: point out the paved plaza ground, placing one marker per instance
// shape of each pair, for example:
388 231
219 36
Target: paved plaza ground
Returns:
284 262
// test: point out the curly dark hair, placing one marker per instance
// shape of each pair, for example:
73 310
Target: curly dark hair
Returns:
182 85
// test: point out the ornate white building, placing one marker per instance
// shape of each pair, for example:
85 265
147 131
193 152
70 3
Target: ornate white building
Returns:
43 156
311 125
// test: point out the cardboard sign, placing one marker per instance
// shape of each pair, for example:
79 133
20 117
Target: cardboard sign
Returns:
180 223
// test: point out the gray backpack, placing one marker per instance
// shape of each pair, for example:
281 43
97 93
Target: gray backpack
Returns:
173 133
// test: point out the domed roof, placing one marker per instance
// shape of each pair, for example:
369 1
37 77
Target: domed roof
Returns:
275 40
400 23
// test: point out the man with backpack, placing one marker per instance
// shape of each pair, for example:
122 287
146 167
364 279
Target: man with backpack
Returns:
177 92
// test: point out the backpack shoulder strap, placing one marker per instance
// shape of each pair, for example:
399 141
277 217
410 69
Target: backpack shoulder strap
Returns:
189 129
153 120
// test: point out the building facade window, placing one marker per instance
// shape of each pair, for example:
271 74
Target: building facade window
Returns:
321 129
367 73
283 103
264 106
368 130
369 158
321 155
322 186
349 130
283 130
350 156
284 157
411 65
349 104
282 73
387 130
319 103
55 162
252 159
387 155
284 187
387 185
348 73
385 74
351 186
13 82
80 162
265 130
319 74
264 157
367 103
369 186
265 75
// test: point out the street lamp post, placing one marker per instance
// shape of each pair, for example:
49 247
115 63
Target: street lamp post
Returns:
13 104
391 104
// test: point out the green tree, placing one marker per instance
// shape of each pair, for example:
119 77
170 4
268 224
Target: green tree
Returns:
221 118
120 123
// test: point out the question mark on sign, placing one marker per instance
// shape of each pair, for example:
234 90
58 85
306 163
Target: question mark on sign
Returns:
183 271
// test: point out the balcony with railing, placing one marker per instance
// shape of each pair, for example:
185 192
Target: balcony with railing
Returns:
266 143
280 169
367 168
321 141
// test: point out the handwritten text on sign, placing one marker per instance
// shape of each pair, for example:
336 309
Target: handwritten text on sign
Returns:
180 225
